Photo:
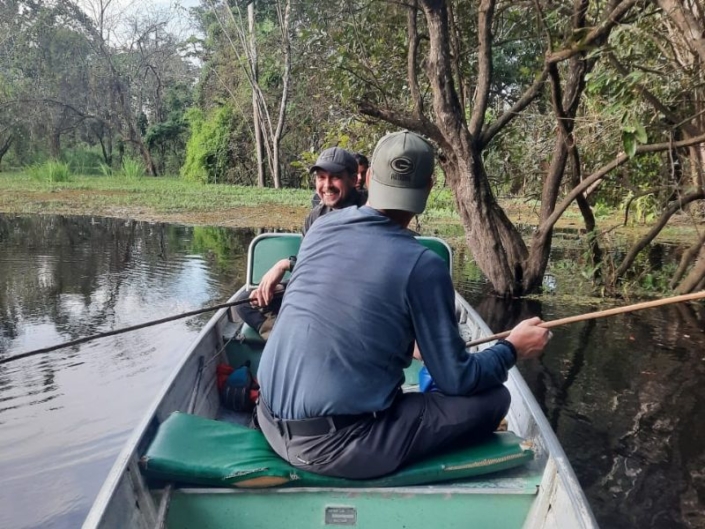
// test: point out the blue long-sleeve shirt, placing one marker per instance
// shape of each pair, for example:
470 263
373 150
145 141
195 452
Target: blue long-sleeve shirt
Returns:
363 290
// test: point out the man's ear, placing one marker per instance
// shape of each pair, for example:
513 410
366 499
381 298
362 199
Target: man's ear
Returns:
368 176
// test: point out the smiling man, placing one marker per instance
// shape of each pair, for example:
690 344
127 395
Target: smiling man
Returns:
335 172
362 165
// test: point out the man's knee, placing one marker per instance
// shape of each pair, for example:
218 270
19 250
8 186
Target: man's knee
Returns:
248 313
504 399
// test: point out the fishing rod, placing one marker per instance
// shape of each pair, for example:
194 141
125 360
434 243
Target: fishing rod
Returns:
598 314
126 329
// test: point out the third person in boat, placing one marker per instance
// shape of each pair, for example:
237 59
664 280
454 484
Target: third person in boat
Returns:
332 369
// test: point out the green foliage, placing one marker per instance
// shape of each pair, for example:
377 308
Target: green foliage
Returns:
167 139
633 132
441 203
642 209
52 172
647 277
601 210
132 168
208 148
83 160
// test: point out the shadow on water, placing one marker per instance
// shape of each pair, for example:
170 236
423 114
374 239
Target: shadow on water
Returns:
626 398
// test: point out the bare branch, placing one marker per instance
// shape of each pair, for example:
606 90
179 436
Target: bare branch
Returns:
595 35
675 206
484 67
605 170
405 121
412 59
524 101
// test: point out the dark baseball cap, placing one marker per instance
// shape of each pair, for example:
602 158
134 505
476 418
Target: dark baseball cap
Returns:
336 160
402 168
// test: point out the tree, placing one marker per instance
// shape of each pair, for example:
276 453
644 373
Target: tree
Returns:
481 81
455 115
241 38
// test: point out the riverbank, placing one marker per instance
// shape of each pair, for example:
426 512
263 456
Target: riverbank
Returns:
176 201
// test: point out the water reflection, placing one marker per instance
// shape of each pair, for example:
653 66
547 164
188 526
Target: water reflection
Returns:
66 415
624 394
626 399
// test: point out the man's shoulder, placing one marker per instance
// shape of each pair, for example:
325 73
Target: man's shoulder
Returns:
429 263
312 215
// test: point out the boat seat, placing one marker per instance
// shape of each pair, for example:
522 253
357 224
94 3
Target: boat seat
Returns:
267 249
190 449
439 247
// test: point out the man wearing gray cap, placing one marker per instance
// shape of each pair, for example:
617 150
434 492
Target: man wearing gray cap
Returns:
331 372
335 174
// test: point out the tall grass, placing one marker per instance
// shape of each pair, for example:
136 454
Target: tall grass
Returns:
105 169
51 171
132 168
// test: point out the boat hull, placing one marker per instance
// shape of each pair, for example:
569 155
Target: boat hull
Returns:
542 494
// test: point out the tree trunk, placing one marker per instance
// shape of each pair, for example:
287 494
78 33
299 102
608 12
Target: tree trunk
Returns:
277 136
5 146
496 244
133 133
256 118
55 144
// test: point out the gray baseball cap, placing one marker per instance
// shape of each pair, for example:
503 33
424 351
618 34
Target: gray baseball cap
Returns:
336 160
402 167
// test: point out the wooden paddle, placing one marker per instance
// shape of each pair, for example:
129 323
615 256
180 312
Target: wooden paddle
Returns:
598 314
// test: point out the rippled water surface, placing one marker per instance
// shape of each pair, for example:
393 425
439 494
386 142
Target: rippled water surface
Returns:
625 394
65 415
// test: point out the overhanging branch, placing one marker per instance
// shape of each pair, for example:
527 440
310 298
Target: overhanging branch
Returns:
604 171
420 125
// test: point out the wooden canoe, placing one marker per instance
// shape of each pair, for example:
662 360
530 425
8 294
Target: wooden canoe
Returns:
178 468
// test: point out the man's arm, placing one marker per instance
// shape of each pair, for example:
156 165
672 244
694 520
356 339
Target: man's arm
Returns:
431 298
264 293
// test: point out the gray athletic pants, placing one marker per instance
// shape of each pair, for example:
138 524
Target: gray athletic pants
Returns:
415 426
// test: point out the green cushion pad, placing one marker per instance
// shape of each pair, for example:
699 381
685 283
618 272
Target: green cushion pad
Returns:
200 451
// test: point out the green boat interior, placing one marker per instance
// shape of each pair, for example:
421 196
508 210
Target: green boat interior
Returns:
224 474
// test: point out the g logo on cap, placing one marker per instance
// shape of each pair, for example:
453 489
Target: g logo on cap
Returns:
402 165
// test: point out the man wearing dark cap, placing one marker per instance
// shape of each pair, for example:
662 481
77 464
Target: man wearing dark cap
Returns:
362 165
331 371
335 174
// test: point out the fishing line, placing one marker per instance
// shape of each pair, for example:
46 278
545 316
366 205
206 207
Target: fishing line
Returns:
125 329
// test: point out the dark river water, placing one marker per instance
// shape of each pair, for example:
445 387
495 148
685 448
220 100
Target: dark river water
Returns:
626 395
